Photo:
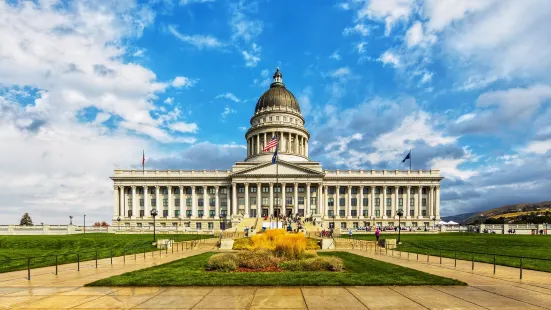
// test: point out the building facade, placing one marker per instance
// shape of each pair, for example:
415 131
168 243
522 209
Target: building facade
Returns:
254 188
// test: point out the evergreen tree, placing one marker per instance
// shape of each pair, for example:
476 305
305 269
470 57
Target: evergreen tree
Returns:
26 220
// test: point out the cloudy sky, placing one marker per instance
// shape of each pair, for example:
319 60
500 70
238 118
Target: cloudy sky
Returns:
86 86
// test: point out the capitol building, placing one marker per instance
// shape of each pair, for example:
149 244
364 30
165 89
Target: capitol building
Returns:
254 188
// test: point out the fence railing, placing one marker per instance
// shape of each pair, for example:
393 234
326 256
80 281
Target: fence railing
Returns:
58 259
495 259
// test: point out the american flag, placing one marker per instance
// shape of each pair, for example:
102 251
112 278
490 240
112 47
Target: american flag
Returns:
143 160
272 143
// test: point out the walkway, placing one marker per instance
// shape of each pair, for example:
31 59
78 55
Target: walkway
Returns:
45 290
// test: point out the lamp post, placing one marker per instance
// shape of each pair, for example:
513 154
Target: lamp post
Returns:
84 223
400 213
433 222
180 218
222 220
154 214
545 228
70 220
119 220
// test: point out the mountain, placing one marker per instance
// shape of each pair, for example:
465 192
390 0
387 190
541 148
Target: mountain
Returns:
459 218
515 213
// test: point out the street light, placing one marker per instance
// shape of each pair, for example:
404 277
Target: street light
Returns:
154 214
400 213
222 220
84 223
119 220
433 222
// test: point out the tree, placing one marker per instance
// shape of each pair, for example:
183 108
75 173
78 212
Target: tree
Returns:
26 220
97 224
104 224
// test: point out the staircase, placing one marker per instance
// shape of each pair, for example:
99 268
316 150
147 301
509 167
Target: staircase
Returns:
251 222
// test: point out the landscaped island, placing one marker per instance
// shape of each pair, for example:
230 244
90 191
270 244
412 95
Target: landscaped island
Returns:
275 258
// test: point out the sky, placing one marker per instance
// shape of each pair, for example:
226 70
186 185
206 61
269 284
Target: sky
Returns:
85 86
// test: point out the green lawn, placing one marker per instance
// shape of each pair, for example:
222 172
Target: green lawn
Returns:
359 271
14 250
512 245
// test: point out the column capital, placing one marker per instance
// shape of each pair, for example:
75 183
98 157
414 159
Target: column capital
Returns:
133 187
115 187
385 186
408 186
337 186
271 183
169 186
295 184
157 186
145 187
192 187
437 187
181 187
121 186
216 189
246 185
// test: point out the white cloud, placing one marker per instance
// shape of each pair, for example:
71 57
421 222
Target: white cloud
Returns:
465 117
426 78
252 57
228 96
265 79
227 111
169 100
416 36
242 128
390 11
199 41
243 27
335 55
360 47
389 58
186 2
184 127
341 72
183 82
449 168
538 147
360 29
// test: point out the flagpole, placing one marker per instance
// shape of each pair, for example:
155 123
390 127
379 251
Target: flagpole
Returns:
409 160
143 161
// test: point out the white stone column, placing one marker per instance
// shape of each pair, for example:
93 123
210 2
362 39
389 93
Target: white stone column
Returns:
158 204
246 200
182 202
170 203
371 203
307 207
228 201
206 204
319 197
257 146
408 207
296 199
306 146
264 144
193 203
349 203
116 201
296 144
258 199
216 202
383 204
430 195
361 202
283 197
395 203
271 211
234 199
418 202
337 200
146 202
437 203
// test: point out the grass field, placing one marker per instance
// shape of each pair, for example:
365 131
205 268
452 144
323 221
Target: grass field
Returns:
501 245
14 250
359 271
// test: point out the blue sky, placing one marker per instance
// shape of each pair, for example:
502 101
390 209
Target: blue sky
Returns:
85 88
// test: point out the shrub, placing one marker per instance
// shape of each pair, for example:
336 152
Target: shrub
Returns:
222 262
290 246
258 259
312 244
314 264
243 244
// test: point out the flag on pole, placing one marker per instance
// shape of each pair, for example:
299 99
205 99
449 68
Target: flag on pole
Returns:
408 156
143 160
274 158
271 144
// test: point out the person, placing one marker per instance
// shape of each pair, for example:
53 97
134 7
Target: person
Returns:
246 231
350 233
377 234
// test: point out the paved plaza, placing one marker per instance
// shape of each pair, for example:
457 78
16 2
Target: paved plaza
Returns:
45 290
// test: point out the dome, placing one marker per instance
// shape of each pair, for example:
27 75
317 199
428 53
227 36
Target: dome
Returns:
277 96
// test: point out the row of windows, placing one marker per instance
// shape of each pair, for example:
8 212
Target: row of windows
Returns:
277 118
200 202
365 202
277 189
354 190
266 189
342 213
176 190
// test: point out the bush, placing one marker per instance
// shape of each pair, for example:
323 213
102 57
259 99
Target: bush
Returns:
243 244
222 262
290 246
312 244
314 264
258 259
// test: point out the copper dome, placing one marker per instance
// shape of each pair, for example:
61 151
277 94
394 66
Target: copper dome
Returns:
277 96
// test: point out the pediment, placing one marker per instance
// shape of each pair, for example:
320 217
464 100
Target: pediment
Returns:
281 168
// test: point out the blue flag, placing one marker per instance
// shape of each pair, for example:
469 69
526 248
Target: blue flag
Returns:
274 158
408 156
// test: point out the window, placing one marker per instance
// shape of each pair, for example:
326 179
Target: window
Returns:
389 190
388 213
355 225
212 202
342 213
330 213
129 213
152 191
354 212
141 202
277 118
188 213
188 202
224 202
424 191
377 213
365 213
424 202
277 189
139 190
165 202
277 201
401 202
288 201
253 201
412 190
312 201
165 190
153 202
212 190
142 213
241 202
377 190
424 212
288 189
301 189
177 201
176 213
411 212
265 201
354 202
130 201
300 201
343 225
377 202
200 202
200 213
365 202
176 190
264 119
412 202
211 213
211 225
198 225
165 213
199 190
188 191
224 190
400 191
241 189
265 189
313 189
388 202
330 202
331 190
253 189
342 190
366 190
342 202
354 190
270 118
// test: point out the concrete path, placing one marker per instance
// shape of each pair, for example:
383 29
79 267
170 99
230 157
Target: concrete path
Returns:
45 290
